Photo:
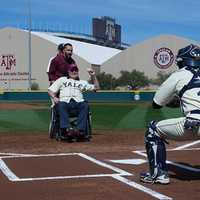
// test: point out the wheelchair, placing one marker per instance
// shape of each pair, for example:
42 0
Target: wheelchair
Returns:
55 131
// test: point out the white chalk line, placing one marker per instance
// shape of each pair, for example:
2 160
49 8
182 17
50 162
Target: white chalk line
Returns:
12 177
141 153
13 155
185 149
187 145
98 162
142 188
7 172
62 177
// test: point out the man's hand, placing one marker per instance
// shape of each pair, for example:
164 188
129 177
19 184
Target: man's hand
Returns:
56 99
174 103
93 77
53 96
91 72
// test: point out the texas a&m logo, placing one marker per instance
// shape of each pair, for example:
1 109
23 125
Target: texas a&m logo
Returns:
163 58
7 61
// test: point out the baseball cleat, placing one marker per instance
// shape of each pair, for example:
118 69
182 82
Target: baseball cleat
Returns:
163 178
144 174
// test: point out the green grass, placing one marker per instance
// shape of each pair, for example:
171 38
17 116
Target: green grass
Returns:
104 116
24 120
128 116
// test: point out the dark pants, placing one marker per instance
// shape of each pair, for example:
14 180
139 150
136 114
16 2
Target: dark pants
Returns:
82 110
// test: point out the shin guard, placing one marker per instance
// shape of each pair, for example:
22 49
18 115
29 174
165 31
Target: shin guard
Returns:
156 151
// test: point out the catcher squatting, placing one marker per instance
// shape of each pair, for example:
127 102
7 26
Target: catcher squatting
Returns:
184 83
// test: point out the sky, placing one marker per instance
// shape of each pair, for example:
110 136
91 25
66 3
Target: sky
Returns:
139 19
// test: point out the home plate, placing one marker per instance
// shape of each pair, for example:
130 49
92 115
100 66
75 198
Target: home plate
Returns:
129 161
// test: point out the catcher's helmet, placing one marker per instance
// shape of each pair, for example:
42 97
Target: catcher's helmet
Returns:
188 56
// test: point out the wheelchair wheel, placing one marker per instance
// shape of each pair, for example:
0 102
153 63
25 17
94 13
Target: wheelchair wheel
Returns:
52 130
53 125
89 127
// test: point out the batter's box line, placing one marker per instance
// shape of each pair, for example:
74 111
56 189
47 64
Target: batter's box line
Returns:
187 145
118 176
6 154
16 155
185 167
14 178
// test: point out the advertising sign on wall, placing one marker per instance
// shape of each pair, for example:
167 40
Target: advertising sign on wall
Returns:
9 72
163 58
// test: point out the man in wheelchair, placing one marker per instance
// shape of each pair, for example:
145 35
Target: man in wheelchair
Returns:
71 102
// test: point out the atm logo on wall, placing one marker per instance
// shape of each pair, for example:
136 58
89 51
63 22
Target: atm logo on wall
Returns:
7 61
163 58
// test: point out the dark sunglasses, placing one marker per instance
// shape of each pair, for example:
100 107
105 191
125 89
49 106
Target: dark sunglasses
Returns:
74 69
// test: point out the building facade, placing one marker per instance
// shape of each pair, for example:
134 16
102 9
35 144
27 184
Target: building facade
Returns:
150 56
15 58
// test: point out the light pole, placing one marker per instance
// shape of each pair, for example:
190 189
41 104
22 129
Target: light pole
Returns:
29 45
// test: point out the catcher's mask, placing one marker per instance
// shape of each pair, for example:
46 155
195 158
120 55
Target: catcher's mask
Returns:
188 56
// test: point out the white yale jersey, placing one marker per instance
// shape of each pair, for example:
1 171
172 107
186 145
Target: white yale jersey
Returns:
70 88
175 85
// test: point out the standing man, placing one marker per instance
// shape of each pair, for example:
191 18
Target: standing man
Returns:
184 83
59 49
58 67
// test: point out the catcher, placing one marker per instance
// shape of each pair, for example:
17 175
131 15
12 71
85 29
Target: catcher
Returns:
184 83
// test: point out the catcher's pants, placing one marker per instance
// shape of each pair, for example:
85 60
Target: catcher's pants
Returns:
174 129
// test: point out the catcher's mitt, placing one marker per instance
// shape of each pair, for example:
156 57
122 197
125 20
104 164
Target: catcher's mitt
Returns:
174 102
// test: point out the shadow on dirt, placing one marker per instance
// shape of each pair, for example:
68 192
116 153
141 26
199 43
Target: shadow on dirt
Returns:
185 174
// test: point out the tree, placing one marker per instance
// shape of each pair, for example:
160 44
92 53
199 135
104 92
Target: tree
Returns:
134 79
34 86
106 81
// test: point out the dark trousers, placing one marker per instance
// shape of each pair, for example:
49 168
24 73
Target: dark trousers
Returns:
82 110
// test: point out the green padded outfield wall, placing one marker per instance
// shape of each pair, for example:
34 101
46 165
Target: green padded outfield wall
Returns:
100 96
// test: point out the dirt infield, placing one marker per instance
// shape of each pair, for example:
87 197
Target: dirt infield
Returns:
35 167
15 106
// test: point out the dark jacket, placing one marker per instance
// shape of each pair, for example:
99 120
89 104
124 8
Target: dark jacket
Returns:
59 67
